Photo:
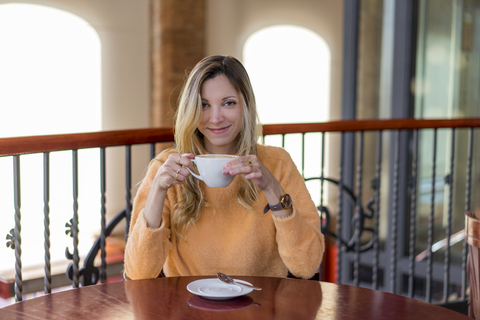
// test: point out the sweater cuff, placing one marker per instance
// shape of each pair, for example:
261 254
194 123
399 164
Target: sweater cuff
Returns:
149 232
294 213
146 249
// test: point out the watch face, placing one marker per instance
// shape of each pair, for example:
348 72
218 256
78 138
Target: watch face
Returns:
286 201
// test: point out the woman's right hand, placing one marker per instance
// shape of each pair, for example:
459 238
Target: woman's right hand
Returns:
173 171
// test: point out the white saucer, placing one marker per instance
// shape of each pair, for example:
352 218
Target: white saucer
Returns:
215 289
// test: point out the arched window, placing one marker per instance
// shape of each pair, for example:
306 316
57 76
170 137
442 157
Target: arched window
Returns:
50 82
289 67
50 72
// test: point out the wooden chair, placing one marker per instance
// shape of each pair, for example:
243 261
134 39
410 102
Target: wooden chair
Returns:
472 236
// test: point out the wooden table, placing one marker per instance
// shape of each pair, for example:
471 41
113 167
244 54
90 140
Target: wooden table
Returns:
168 298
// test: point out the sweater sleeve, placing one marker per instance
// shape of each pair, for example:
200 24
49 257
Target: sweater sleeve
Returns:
147 248
300 241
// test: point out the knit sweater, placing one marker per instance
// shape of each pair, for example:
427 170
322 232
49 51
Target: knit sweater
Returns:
228 237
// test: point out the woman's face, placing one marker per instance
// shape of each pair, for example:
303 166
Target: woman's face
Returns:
222 115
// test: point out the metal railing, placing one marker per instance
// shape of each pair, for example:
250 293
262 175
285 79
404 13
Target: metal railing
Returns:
371 183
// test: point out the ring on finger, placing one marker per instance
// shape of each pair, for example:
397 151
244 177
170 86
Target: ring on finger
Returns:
176 175
249 163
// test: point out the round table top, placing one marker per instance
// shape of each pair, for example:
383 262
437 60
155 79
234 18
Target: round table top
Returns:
166 298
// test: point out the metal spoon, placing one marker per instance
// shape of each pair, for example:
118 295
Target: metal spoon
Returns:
227 279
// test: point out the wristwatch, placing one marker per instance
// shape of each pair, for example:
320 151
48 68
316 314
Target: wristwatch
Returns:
285 203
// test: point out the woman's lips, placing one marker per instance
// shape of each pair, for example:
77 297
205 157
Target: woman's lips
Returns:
219 130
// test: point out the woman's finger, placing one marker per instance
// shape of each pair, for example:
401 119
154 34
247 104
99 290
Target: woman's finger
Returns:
241 165
180 174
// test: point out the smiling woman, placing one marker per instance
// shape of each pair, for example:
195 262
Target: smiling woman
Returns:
263 222
49 83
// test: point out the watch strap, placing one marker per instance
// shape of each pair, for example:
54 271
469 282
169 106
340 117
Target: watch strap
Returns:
285 203
276 207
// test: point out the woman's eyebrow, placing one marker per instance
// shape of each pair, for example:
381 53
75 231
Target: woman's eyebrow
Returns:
225 98
229 97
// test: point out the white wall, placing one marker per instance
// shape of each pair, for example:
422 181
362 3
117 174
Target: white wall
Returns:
230 22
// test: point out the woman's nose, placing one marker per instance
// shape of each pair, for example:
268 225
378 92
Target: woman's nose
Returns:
216 115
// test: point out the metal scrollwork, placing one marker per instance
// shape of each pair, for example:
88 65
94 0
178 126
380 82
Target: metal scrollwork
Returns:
68 232
69 226
89 273
11 239
358 219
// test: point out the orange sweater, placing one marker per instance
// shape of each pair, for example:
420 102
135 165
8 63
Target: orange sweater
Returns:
227 237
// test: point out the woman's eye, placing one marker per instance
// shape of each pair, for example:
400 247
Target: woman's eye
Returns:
204 105
230 103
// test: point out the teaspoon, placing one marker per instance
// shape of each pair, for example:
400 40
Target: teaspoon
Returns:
228 279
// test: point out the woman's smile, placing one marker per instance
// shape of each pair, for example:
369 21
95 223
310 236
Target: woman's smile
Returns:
219 130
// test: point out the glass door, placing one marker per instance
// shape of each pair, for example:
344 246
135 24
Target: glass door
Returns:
446 85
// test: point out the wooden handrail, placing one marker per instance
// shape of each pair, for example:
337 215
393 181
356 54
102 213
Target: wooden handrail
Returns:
370 125
57 142
47 143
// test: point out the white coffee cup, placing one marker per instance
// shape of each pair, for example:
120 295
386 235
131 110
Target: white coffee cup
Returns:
210 168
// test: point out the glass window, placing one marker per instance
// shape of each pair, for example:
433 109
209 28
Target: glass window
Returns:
289 67
447 79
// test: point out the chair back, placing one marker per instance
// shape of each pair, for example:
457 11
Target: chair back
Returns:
472 236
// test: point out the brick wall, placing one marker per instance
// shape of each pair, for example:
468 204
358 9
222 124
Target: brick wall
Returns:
178 43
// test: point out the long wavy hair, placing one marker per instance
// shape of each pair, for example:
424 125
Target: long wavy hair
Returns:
189 139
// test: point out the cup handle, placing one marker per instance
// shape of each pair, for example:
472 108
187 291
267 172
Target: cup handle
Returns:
194 174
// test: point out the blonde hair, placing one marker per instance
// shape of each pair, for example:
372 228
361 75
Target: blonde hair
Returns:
189 139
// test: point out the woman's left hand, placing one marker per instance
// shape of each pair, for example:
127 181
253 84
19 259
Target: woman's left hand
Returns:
253 170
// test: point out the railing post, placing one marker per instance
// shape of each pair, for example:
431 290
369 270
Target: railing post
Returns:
128 187
446 266
431 221
394 216
340 218
103 189
358 208
152 151
376 246
76 272
468 187
413 216
46 213
18 228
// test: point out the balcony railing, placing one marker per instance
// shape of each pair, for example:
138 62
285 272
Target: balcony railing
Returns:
392 195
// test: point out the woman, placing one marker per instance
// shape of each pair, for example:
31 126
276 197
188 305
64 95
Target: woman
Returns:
263 224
